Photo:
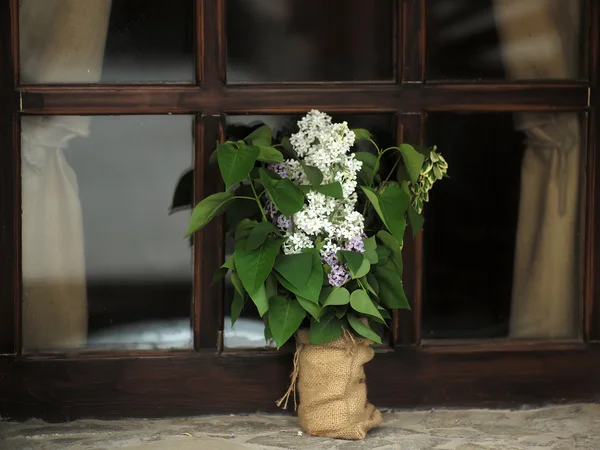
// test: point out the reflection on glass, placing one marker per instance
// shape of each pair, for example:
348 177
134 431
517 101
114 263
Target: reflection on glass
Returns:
104 263
296 40
502 254
74 41
506 39
248 331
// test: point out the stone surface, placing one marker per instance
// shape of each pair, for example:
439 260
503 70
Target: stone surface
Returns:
555 428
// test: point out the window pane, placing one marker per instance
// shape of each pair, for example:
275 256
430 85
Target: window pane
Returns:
104 263
506 39
249 329
309 40
73 41
502 244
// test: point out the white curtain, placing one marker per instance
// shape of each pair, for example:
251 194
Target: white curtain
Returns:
540 40
61 41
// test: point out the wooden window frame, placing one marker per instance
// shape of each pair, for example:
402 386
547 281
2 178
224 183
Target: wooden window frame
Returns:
207 380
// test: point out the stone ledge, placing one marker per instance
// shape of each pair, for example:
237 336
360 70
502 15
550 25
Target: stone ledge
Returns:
555 428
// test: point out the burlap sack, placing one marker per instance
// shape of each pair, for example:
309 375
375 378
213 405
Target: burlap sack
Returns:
332 387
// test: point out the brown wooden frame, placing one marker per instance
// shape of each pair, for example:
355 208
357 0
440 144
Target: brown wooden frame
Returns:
208 380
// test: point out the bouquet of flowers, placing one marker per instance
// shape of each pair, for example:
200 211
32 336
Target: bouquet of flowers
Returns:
322 244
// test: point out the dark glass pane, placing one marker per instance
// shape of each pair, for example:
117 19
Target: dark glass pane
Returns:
506 39
249 329
73 41
309 40
502 253
104 262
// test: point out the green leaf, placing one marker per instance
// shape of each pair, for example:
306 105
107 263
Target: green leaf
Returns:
207 209
413 161
391 290
287 146
254 266
237 284
312 289
222 271
365 282
268 334
340 311
269 154
331 190
396 251
362 329
237 306
416 220
393 203
267 177
271 286
354 259
370 250
244 228
362 270
313 310
362 303
295 268
384 312
328 328
260 136
372 281
235 164
367 171
325 293
285 316
288 198
259 234
261 300
402 173
339 296
372 197
383 253
361 134
213 156
313 174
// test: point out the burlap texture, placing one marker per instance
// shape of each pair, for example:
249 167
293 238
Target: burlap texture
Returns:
332 387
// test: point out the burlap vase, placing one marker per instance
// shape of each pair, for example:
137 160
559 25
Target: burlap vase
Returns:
332 388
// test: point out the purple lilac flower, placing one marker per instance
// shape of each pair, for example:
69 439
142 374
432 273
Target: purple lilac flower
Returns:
279 169
339 273
331 259
356 244
271 209
284 223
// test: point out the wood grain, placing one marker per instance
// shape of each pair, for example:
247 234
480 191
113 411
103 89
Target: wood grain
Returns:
592 254
158 384
193 384
414 45
212 42
209 242
269 99
407 324
10 215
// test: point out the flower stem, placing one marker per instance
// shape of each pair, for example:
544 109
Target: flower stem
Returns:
257 198
393 168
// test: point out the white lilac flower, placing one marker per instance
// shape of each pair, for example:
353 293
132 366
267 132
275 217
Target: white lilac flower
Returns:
325 145
297 241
